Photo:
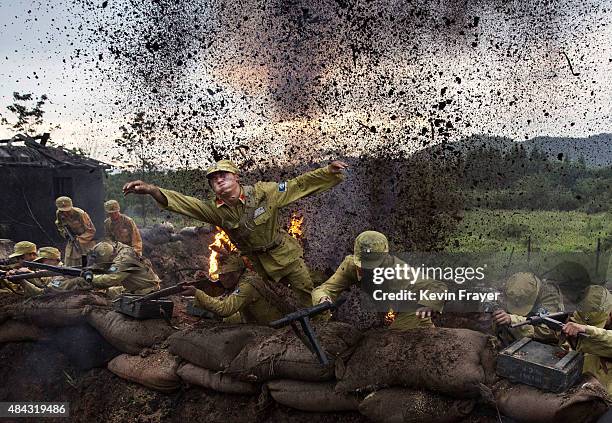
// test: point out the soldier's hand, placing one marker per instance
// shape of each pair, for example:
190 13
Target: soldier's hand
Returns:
188 290
337 166
19 271
501 318
424 312
138 187
573 329
325 298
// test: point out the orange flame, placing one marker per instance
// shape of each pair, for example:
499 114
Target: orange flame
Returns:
295 226
390 317
221 241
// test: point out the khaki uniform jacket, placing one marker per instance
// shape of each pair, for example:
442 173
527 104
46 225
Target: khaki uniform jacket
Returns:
81 226
245 299
125 231
346 275
549 298
130 271
598 355
253 225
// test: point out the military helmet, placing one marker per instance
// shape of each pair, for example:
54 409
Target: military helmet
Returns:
522 291
111 206
102 255
595 306
23 247
64 203
230 263
371 249
222 166
51 253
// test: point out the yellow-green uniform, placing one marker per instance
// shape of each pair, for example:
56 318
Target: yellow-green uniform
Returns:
245 300
253 225
346 275
128 270
5 285
82 227
550 299
597 349
123 230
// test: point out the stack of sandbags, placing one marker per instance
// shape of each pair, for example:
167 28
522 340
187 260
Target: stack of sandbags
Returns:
311 396
210 350
284 356
54 310
156 371
456 362
127 334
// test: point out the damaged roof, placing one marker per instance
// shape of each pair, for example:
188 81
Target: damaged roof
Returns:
23 150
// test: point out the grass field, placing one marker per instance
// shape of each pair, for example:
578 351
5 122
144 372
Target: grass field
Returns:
485 230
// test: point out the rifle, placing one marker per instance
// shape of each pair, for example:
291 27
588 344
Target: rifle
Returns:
303 316
174 289
548 319
86 274
30 275
73 239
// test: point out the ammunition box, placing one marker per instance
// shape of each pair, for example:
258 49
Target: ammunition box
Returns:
547 367
149 309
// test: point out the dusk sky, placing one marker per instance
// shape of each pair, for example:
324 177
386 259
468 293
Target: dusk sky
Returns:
507 74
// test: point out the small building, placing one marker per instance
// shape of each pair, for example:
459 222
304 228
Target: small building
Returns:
33 175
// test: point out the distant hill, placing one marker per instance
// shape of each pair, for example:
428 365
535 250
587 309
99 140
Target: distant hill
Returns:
596 149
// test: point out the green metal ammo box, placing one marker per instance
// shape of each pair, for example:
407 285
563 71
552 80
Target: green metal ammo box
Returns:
547 367
149 309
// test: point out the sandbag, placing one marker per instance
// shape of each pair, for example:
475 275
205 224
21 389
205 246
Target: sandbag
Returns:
583 403
55 310
401 405
457 362
19 331
284 356
156 371
216 381
84 347
215 347
127 334
311 396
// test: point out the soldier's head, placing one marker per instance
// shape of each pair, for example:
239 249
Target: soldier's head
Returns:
370 250
231 267
112 209
49 255
101 256
521 291
595 308
24 251
223 177
64 204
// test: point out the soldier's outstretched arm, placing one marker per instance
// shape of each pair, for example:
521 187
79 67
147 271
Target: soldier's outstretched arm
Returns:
313 182
108 280
142 188
173 201
599 341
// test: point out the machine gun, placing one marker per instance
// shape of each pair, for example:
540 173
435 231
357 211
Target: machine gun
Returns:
303 316
552 320
86 274
29 275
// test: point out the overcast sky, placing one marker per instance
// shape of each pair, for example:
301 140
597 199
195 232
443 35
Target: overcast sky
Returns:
515 81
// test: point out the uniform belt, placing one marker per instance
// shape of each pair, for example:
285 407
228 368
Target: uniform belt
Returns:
264 249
